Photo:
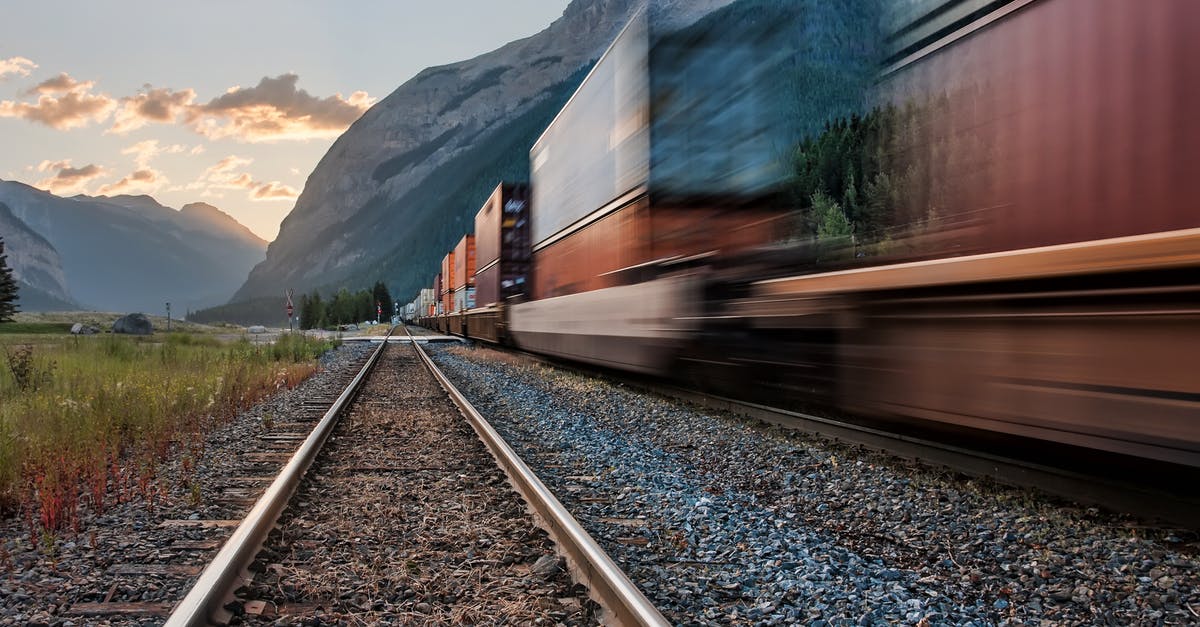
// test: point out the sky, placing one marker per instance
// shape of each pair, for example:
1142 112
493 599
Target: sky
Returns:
228 102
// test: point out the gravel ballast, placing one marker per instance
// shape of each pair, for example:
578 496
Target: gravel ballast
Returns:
405 518
42 585
721 519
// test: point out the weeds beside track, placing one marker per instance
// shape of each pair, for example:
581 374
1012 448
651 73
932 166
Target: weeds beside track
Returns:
88 420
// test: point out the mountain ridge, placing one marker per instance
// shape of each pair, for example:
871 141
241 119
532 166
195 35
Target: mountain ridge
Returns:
127 253
356 194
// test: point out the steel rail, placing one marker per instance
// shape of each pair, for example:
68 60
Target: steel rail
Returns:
229 570
592 566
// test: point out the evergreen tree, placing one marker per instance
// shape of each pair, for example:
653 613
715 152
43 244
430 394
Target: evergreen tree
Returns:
8 288
384 299
312 312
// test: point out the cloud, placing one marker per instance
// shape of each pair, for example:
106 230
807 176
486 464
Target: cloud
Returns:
276 110
63 103
274 191
145 151
225 174
160 105
228 164
16 65
67 179
146 180
61 84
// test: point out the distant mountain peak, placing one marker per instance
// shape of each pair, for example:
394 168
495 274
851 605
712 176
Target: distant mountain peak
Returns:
129 253
202 208
214 216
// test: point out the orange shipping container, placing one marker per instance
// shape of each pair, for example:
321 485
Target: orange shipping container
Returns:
447 274
446 293
464 263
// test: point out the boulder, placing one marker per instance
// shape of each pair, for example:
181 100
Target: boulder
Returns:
80 328
256 329
133 324
77 328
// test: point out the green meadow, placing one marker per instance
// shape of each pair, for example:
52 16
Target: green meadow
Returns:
85 421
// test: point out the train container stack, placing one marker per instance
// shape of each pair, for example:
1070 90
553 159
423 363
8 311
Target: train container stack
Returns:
925 230
464 274
448 281
427 302
642 174
502 259
502 245
1034 275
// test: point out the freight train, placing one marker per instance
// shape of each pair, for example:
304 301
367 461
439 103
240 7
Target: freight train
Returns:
992 224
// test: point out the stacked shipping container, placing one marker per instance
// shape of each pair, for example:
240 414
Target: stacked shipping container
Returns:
464 274
645 164
502 245
446 290
427 302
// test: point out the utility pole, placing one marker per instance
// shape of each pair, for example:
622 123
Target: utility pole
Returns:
168 317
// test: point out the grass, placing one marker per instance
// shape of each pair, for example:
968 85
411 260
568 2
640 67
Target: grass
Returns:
88 420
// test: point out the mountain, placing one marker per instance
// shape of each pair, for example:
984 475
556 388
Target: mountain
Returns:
36 265
403 183
131 253
199 222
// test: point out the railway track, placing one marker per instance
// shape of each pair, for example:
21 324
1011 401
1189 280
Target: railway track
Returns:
722 519
155 553
395 522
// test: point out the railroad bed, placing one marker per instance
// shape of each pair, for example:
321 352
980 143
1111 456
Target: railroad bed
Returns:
406 518
723 520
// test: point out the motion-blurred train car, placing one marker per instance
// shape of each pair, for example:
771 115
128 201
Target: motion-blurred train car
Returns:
668 153
1033 269
990 224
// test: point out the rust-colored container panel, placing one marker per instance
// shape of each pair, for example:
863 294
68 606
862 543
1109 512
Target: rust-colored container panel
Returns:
606 252
449 270
464 262
487 285
1065 121
446 292
1115 382
483 324
502 245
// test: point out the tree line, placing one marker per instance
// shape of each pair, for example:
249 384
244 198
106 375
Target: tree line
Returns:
344 307
864 186
8 288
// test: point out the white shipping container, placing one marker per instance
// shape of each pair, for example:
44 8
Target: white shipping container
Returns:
677 114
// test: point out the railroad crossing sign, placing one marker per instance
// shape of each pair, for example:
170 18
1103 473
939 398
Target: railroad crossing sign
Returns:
290 308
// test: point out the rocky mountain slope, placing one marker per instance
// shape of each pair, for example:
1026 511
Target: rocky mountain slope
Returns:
128 253
36 265
404 181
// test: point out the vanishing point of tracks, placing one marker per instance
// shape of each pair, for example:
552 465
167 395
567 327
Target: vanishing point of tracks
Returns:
393 511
